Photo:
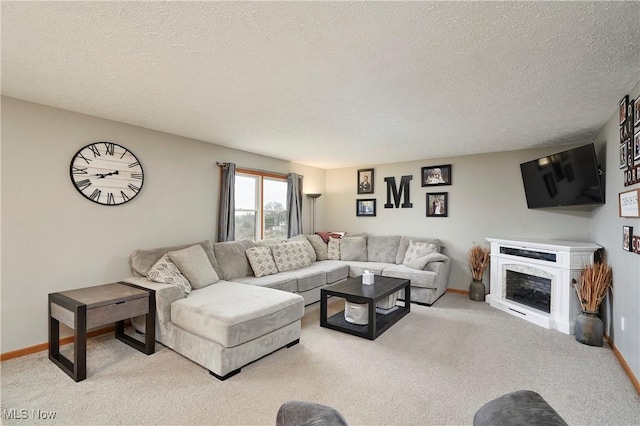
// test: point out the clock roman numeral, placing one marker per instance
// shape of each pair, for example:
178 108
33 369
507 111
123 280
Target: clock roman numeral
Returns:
82 184
136 175
78 170
95 195
94 149
109 148
124 153
136 164
134 188
110 198
83 157
124 197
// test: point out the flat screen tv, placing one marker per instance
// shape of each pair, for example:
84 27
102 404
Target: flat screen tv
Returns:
568 178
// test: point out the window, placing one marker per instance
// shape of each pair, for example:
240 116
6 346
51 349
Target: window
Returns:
261 206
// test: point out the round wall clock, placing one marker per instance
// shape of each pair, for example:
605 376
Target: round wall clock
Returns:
106 173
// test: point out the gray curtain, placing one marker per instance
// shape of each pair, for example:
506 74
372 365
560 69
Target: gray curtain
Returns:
226 213
294 205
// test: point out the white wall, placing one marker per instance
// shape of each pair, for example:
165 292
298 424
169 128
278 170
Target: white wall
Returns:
486 199
53 239
607 231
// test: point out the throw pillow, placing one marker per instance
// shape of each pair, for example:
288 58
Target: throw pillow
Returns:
194 264
422 261
290 256
417 249
165 271
261 261
307 245
353 248
333 249
319 246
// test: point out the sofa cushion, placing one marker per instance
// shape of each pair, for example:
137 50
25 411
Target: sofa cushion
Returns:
333 249
319 246
417 249
383 248
353 248
232 258
261 261
290 256
357 268
422 261
195 266
165 271
335 270
310 277
425 279
404 244
285 281
141 260
233 313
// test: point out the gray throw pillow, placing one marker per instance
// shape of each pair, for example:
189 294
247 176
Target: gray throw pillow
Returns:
307 246
319 246
353 248
290 256
333 249
261 261
195 266
165 271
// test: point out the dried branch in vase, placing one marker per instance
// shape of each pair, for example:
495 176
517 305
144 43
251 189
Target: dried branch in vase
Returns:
593 286
478 261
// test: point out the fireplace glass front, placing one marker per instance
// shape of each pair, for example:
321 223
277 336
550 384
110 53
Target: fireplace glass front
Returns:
530 290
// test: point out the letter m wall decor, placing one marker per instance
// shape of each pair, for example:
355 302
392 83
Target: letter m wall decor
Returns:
396 193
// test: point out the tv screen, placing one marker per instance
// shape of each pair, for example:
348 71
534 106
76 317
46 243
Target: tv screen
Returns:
568 178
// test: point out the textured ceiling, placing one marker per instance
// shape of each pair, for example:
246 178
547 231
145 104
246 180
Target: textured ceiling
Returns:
332 84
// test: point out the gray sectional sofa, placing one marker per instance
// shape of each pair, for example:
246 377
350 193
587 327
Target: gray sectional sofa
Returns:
224 305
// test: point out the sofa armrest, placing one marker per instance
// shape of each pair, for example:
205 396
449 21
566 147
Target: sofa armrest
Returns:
442 269
166 294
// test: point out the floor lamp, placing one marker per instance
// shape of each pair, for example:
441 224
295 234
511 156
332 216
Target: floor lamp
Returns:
314 197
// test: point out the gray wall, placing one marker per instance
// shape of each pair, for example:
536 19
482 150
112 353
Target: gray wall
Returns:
607 231
53 239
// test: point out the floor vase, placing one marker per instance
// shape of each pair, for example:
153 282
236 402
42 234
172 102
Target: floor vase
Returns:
477 291
589 329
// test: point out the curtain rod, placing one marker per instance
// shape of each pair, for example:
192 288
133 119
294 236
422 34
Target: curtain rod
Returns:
246 169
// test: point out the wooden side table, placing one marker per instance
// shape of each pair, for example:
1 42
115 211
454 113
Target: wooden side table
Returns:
86 308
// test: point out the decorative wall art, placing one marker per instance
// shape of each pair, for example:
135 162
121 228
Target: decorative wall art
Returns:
365 181
437 204
394 193
366 207
627 237
623 109
636 109
628 203
436 175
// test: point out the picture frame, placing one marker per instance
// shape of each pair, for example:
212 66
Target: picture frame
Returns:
436 175
624 103
636 145
366 207
623 155
437 204
627 237
636 112
628 203
365 181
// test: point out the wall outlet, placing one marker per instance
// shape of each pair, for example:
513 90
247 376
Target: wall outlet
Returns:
622 323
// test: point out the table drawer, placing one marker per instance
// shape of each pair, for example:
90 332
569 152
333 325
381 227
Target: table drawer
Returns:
117 312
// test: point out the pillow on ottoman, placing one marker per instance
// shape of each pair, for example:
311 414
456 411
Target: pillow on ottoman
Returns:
261 261
194 264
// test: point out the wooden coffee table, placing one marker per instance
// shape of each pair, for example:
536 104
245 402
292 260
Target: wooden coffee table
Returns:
90 307
354 291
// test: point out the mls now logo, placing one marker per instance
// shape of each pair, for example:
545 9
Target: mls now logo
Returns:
23 414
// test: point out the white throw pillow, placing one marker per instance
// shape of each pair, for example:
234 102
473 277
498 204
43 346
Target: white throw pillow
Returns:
166 272
195 265
333 249
417 249
261 261
290 256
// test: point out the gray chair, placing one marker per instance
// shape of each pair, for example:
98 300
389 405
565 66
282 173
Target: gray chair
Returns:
521 408
302 413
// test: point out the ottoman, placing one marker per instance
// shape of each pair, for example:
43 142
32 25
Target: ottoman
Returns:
519 408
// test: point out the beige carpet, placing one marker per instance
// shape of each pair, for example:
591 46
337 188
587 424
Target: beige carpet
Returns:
436 366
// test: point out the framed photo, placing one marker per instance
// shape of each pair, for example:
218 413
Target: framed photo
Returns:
627 236
623 155
628 203
365 181
366 207
437 204
436 175
624 103
636 112
636 145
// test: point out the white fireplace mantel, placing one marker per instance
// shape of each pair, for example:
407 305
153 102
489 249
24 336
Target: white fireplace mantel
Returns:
561 261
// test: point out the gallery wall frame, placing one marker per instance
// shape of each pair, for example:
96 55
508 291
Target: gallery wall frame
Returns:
436 175
628 203
365 181
437 204
366 207
627 238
